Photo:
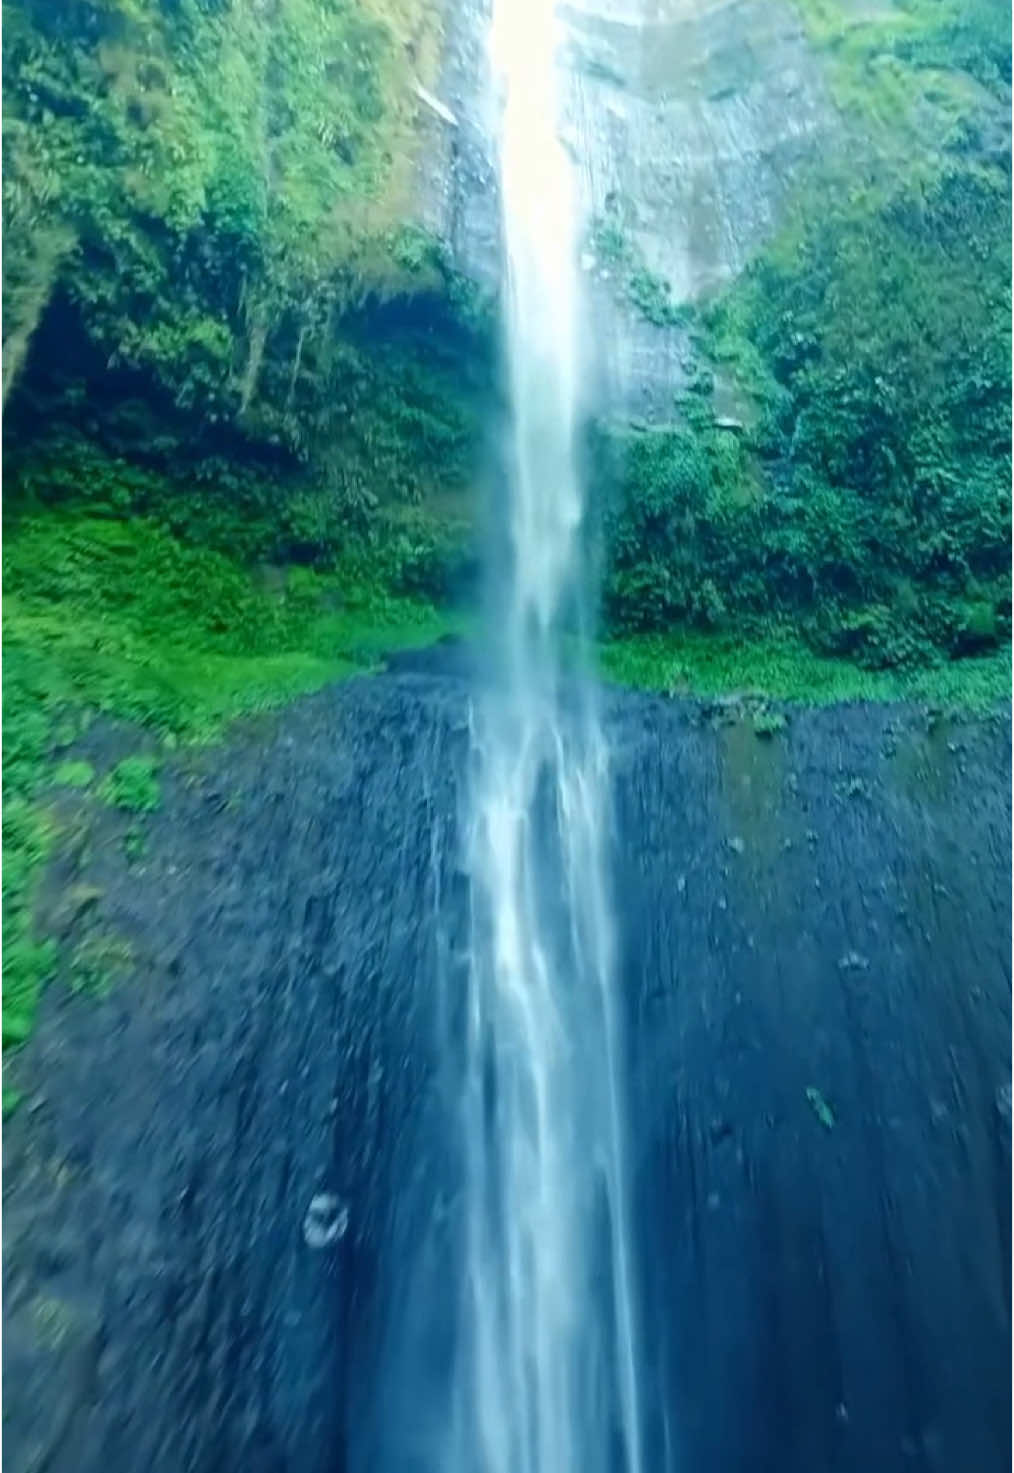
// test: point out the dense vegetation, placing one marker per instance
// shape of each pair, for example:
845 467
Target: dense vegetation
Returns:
859 492
245 399
865 493
243 396
208 271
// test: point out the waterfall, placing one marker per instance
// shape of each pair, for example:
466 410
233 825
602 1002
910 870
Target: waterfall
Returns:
545 1379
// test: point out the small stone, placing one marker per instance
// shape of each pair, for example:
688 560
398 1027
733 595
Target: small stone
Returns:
820 1107
326 1220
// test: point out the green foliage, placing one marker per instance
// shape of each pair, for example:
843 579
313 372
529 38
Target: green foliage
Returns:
869 501
778 665
134 786
865 502
27 837
404 391
767 722
230 355
651 295
120 618
611 241
210 190
74 774
900 73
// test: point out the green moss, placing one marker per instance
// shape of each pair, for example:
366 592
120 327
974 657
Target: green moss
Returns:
767 722
611 242
73 774
651 295
133 785
99 963
28 962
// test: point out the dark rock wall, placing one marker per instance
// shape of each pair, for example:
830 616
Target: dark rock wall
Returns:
828 911
824 910
274 1046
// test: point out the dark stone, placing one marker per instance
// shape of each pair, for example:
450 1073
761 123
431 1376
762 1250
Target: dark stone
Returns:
810 1298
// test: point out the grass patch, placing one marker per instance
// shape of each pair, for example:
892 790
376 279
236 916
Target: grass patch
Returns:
785 669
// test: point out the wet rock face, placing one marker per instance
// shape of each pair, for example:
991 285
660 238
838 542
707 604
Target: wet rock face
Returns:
230 1219
696 114
687 121
457 184
816 961
198 1189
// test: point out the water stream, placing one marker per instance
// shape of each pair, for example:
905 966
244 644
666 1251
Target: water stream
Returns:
546 1377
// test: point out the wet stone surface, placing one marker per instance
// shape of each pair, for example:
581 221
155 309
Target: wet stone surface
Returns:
230 1196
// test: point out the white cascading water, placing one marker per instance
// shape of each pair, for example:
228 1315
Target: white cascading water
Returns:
546 1374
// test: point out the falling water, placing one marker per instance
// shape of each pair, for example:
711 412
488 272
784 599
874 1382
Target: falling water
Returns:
546 1380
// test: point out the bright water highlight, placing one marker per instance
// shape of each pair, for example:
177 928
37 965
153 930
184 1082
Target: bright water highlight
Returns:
546 1377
